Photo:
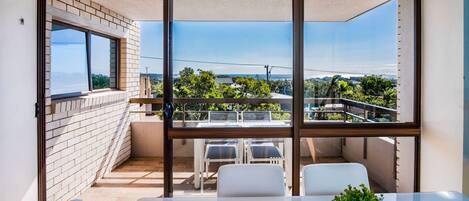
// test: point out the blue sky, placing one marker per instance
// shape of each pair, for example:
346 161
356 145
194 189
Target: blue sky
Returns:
68 60
366 45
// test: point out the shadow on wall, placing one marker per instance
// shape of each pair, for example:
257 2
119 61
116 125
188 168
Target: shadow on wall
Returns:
84 144
119 147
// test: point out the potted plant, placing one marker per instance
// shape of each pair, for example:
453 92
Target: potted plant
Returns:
362 193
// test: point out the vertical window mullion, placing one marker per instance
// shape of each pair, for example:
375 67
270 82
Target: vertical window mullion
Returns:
88 60
298 20
117 41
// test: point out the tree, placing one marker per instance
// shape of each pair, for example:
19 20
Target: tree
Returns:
203 85
374 90
375 85
252 88
157 89
200 85
281 86
100 81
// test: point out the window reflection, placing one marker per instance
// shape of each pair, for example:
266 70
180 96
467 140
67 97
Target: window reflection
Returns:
103 62
69 72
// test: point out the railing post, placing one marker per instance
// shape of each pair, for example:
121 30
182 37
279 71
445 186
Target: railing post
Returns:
184 115
365 115
345 113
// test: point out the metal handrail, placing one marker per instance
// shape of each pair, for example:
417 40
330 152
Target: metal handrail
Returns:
346 110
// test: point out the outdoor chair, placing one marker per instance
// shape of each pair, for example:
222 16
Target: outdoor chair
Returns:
262 150
220 150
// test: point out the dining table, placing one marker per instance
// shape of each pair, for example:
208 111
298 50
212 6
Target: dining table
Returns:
199 145
425 196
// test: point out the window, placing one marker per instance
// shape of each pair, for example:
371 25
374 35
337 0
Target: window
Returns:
222 56
389 161
359 64
81 61
103 62
69 71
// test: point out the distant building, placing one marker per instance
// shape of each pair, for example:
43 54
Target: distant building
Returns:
284 107
224 80
145 86
145 91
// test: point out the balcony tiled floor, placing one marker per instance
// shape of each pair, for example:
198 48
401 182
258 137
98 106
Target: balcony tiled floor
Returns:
143 177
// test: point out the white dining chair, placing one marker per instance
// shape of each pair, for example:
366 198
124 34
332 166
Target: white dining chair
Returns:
250 180
333 178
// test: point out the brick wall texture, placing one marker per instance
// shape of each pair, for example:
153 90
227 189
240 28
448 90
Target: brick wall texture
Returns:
88 136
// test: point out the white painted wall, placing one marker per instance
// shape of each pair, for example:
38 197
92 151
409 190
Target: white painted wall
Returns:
406 164
379 162
442 95
18 160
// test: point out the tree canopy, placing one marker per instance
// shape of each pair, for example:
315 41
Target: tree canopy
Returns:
373 89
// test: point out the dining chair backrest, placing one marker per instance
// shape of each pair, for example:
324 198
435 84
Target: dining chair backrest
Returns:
333 178
256 116
250 180
223 116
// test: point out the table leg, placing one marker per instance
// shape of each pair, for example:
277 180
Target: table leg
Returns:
288 160
198 155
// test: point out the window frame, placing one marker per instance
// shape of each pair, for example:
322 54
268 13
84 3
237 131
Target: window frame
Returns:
88 34
298 129
412 128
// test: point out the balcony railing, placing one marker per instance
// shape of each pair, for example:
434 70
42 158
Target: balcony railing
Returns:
316 109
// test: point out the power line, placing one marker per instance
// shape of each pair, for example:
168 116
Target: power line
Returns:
207 62
258 65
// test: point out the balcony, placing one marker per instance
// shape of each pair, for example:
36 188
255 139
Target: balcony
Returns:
110 135
142 173
76 123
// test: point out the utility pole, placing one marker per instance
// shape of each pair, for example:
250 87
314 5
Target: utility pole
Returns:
268 72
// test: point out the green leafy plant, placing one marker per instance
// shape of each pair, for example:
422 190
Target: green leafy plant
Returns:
362 193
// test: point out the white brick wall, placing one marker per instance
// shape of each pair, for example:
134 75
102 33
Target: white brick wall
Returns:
88 136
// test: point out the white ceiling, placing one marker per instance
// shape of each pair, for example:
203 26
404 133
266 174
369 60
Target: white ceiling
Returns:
242 10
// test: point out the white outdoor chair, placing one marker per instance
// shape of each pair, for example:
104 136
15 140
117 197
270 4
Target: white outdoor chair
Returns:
262 150
250 180
220 150
223 117
333 178
256 116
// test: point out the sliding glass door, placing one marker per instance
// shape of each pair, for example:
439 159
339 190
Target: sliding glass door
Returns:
293 83
231 72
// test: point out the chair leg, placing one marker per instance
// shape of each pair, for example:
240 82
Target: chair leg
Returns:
202 177
206 169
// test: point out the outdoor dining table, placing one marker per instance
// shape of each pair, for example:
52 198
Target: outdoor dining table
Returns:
430 196
199 145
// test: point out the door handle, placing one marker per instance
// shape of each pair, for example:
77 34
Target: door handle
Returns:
168 110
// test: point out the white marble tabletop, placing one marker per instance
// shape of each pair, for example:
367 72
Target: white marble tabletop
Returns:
433 196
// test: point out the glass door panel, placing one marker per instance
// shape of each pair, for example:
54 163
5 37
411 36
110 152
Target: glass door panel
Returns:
232 63
359 64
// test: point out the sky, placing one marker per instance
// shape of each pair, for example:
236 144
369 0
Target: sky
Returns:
66 77
364 45
68 59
